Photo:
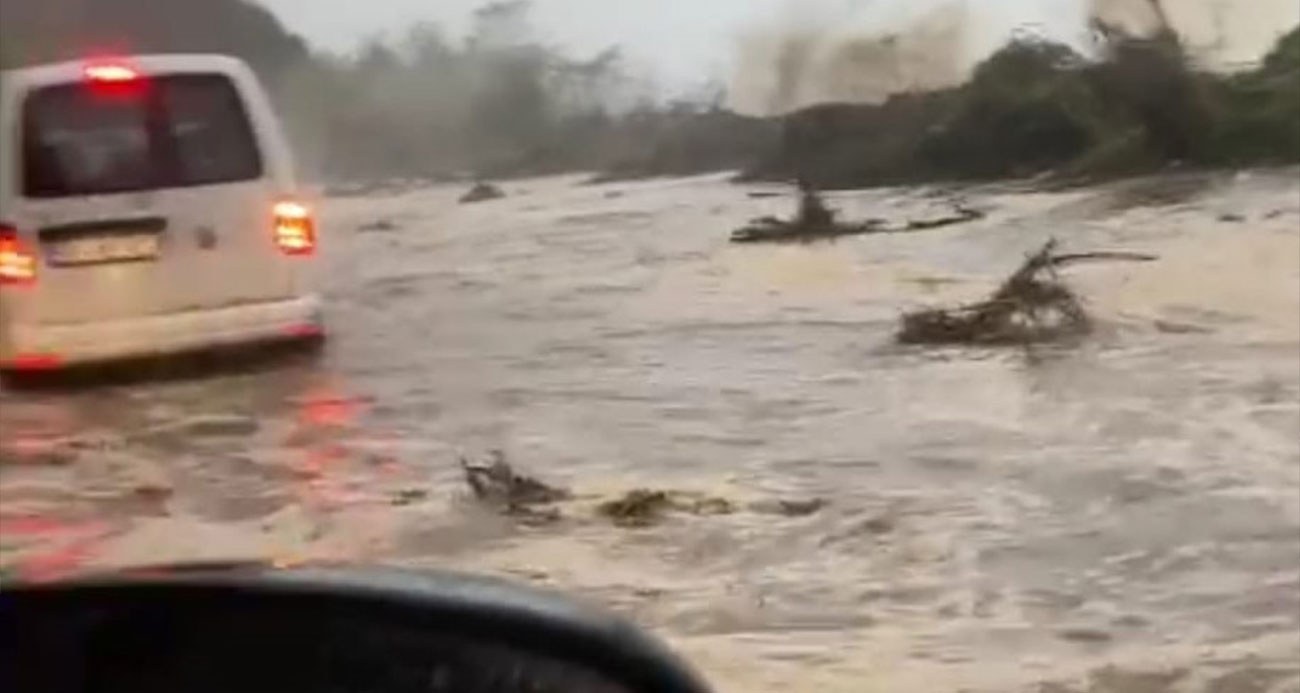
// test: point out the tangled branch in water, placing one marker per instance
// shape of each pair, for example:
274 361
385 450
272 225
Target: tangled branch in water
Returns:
1033 305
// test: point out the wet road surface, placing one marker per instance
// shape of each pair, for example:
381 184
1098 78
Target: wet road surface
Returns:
1117 515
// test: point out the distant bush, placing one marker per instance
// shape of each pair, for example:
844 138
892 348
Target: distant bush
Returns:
1025 108
1259 118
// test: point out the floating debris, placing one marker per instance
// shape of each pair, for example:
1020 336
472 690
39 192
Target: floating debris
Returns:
637 509
642 508
482 192
497 485
1033 305
645 508
815 222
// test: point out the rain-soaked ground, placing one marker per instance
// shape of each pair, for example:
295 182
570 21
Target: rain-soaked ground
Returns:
1117 515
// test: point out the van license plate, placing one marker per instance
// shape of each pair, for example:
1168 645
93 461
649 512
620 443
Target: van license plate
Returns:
101 249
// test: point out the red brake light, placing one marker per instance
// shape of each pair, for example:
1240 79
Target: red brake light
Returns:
111 72
295 230
17 261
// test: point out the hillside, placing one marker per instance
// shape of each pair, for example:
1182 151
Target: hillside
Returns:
33 31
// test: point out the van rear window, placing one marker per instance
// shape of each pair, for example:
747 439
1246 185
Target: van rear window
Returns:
162 132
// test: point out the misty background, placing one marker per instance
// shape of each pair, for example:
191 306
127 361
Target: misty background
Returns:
465 88
677 47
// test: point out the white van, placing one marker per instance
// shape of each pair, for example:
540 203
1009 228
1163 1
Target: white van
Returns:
147 206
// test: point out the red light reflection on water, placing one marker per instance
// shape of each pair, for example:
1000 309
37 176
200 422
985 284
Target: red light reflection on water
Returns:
64 561
71 545
333 450
322 414
32 433
29 445
326 407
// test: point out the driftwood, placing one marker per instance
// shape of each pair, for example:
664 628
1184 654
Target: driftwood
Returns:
804 230
645 508
497 485
1033 305
1100 256
961 215
639 508
773 230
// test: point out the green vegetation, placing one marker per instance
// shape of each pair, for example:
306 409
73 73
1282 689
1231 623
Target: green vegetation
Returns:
1036 107
1261 110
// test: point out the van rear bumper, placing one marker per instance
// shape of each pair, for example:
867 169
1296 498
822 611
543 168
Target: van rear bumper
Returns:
51 347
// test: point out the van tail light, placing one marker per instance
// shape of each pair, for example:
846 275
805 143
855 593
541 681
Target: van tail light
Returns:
295 229
17 259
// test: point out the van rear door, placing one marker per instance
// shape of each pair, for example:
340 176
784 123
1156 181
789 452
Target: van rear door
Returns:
149 195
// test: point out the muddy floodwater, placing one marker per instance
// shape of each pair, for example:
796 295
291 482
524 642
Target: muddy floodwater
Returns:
1120 514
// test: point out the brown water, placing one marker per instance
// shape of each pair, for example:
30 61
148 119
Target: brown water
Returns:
1117 515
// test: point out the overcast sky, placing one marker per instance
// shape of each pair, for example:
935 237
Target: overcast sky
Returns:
686 42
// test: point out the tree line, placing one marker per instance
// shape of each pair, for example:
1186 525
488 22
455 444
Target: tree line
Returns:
1041 108
500 102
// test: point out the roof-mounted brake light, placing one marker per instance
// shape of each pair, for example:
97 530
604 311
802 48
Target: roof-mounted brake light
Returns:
111 73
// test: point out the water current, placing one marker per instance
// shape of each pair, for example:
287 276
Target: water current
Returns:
1116 515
